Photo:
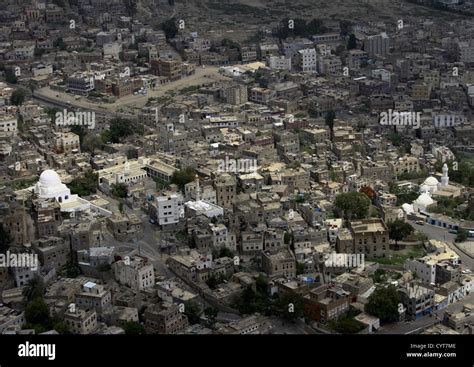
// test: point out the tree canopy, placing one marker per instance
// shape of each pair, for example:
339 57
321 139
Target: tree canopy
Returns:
383 303
398 230
352 205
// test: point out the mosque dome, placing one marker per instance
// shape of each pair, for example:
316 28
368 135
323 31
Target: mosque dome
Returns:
49 178
431 181
50 186
424 200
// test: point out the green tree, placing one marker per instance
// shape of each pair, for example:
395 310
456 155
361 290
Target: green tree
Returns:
383 303
119 190
183 176
37 312
352 205
211 315
398 230
300 269
462 235
10 76
17 98
90 143
379 275
170 28
352 43
192 311
133 328
85 185
119 128
329 119
5 239
33 289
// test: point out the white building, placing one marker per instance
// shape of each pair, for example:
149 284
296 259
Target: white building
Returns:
81 83
425 267
135 272
94 296
170 209
308 60
333 226
377 45
8 126
279 62
222 237
466 52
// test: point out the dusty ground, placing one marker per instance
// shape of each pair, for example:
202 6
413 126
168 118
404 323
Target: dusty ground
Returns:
240 19
205 75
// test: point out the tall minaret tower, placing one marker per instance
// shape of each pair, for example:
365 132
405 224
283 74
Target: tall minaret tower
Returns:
198 189
445 177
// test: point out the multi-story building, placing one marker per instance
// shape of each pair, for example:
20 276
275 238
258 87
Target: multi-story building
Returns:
279 264
377 45
168 68
248 53
8 126
164 319
308 60
465 50
67 142
95 297
135 272
279 62
236 94
81 321
81 83
226 190
169 209
417 299
367 236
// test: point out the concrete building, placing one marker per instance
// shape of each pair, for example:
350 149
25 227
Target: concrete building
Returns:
417 299
164 319
135 272
279 264
94 297
81 321
308 60
377 45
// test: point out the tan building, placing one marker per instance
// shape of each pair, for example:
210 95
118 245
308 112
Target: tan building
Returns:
136 272
370 237
226 188
281 264
406 164
67 142
124 227
164 319
170 69
81 321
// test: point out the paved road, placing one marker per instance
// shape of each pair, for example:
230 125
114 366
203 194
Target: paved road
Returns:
418 326
437 233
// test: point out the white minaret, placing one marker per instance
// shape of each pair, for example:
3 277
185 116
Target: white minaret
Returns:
445 177
198 189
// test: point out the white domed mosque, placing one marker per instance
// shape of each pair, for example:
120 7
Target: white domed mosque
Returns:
431 186
50 186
